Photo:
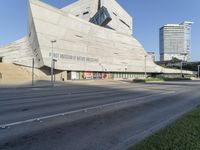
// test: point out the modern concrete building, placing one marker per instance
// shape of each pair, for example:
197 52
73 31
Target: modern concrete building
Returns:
90 39
175 41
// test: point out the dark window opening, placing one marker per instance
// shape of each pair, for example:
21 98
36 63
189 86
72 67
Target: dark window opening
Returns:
109 27
115 14
29 34
124 23
87 12
79 36
1 59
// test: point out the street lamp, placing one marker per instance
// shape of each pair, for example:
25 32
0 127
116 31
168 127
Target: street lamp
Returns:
145 66
33 66
126 76
184 54
52 62
198 71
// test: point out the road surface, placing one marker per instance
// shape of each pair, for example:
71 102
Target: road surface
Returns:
93 115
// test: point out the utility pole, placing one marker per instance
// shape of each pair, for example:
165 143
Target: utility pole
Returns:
145 66
184 54
52 64
181 69
126 76
33 66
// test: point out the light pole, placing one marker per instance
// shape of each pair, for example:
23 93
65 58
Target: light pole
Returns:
183 60
181 69
33 64
198 71
126 76
145 66
52 63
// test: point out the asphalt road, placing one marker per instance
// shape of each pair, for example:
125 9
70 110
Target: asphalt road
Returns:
93 115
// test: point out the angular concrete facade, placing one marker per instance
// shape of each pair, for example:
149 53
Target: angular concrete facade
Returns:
80 44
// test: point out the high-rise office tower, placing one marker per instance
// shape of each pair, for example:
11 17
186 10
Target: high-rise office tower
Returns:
175 41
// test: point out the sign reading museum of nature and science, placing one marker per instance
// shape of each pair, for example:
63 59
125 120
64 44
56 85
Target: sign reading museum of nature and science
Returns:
75 58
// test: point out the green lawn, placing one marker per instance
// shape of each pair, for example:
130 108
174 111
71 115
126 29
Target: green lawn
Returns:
183 134
159 79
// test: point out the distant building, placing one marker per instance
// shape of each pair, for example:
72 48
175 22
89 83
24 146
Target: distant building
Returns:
152 55
175 41
174 62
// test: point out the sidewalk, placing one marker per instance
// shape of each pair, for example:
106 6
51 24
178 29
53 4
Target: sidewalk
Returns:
23 84
46 83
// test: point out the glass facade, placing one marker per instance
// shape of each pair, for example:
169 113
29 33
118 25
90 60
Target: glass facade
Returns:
175 41
102 17
187 27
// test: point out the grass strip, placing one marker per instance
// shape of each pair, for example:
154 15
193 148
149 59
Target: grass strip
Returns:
159 79
183 134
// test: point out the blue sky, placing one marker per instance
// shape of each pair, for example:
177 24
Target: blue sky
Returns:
148 17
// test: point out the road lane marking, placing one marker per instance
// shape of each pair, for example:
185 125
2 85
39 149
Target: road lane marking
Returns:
85 110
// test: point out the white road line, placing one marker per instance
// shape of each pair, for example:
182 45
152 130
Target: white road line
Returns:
4 126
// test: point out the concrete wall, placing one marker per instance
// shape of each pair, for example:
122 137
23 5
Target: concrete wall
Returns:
82 6
24 50
84 46
121 20
17 52
33 40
